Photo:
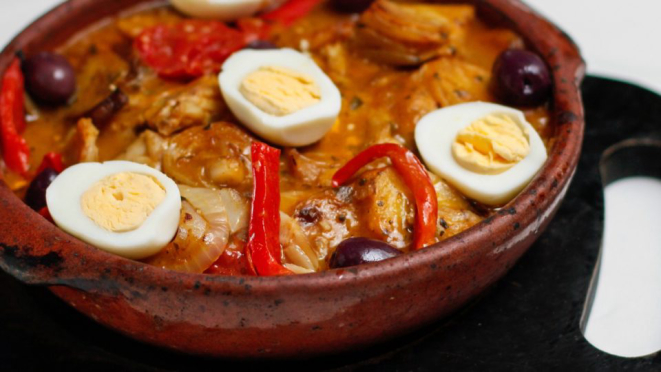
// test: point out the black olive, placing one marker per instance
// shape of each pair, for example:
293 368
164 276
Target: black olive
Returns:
521 78
35 197
49 78
357 251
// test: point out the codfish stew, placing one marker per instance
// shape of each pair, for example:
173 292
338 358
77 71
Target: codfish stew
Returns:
282 138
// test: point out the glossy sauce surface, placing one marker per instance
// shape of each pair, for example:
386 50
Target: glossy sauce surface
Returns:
381 103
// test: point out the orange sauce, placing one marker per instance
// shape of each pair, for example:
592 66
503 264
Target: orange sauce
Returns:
381 103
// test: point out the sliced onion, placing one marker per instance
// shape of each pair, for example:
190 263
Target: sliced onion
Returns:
211 206
188 252
297 269
296 245
238 209
192 251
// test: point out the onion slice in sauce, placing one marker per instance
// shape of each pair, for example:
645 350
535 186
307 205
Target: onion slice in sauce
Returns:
203 232
238 209
296 246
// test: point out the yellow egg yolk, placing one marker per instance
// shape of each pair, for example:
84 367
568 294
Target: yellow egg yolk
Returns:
280 91
491 145
122 202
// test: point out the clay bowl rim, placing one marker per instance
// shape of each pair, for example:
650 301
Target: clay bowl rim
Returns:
567 69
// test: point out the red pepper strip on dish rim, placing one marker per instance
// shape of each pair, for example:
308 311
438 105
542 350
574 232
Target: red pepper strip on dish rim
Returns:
15 150
263 249
409 167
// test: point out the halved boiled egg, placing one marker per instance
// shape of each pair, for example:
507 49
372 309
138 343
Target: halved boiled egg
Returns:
125 208
281 95
487 151
224 10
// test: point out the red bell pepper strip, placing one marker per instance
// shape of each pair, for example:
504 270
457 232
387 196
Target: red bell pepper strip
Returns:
263 248
259 28
415 177
291 11
51 160
19 103
15 150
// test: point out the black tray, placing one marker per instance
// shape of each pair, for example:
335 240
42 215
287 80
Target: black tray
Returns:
529 321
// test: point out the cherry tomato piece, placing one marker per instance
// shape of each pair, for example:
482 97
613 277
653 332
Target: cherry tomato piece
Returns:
188 49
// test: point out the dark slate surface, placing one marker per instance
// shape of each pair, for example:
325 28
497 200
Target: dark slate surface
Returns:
529 321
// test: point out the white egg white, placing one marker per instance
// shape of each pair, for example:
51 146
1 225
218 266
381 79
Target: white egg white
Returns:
300 128
224 10
63 198
436 131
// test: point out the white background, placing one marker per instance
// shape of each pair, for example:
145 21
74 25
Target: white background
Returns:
618 38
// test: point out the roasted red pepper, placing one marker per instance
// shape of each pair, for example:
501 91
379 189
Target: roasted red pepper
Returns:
193 48
15 150
263 249
415 177
51 160
188 49
291 11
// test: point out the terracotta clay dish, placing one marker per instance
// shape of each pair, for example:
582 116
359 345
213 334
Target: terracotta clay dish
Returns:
281 178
